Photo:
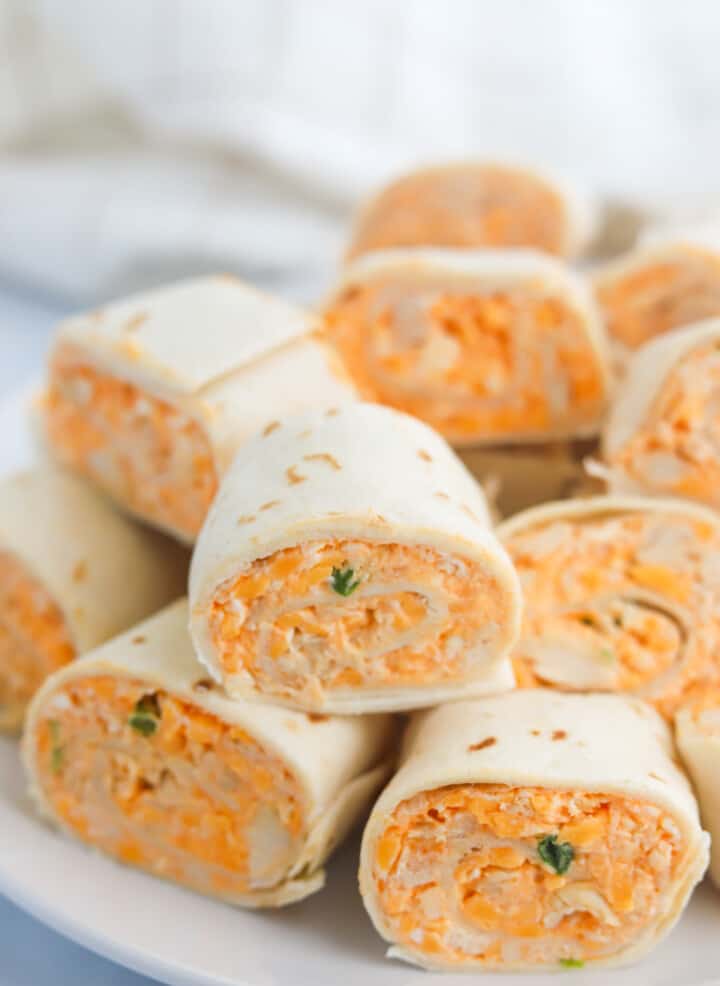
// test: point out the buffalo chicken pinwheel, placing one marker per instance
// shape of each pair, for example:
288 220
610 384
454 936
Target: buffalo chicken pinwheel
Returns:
662 434
73 573
149 397
532 831
476 204
670 280
488 347
348 565
621 594
135 752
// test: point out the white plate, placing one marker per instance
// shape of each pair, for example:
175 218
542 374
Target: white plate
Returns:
186 940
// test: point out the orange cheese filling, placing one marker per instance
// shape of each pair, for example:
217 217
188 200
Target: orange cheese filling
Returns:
495 876
661 295
354 614
676 449
620 602
495 364
163 785
145 452
34 639
468 206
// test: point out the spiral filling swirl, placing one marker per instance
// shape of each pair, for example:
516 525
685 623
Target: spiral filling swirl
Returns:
348 614
619 602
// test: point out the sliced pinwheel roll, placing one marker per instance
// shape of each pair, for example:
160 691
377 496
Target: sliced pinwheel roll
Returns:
134 751
661 436
621 594
532 831
348 565
150 396
488 347
697 733
73 573
476 204
669 280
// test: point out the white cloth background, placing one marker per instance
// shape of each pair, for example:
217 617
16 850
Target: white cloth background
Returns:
145 139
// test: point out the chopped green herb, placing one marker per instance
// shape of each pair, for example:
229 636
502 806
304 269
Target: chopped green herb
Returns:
607 654
56 753
146 715
572 963
342 581
145 725
556 855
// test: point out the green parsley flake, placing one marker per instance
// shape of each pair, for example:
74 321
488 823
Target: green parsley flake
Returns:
146 715
572 963
556 855
342 581
56 753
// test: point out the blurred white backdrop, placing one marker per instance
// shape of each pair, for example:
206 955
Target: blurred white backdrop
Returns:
149 138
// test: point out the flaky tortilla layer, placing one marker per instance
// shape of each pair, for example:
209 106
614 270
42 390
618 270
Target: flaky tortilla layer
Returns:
697 734
73 573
